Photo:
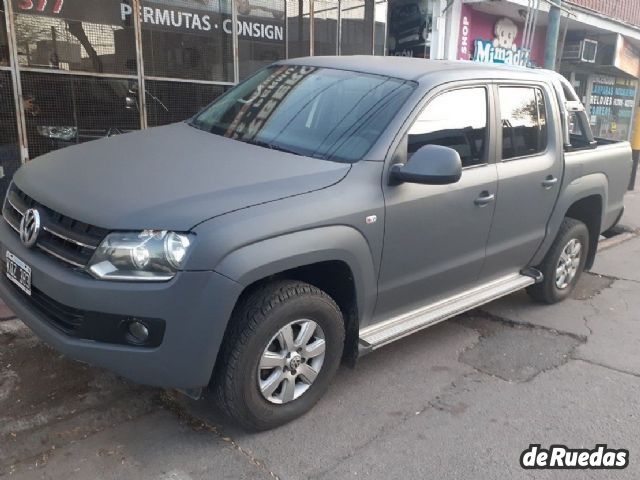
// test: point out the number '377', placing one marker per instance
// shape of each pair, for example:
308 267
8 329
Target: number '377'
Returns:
40 5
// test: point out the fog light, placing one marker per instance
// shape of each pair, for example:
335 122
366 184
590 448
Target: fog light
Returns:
138 331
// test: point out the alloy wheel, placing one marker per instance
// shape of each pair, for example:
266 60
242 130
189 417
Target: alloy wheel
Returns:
291 361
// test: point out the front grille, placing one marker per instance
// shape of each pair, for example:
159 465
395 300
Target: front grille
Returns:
61 237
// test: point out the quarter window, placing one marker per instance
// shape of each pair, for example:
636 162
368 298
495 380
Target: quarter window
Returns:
455 119
524 121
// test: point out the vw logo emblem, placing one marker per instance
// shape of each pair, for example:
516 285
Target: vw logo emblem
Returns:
30 227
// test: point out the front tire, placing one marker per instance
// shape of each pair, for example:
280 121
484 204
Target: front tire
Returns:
283 349
563 264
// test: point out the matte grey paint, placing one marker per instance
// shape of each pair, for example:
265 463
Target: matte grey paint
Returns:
257 212
168 178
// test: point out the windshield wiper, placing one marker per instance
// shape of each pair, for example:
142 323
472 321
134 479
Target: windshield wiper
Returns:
271 146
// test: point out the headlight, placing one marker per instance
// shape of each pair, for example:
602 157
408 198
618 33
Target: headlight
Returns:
149 255
58 133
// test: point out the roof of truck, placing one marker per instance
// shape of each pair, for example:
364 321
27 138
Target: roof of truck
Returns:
414 69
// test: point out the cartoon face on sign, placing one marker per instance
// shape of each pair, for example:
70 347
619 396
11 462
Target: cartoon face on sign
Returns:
505 31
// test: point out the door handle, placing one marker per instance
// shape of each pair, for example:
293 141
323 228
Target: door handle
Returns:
484 199
549 182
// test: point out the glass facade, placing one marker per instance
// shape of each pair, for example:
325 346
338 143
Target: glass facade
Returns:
88 69
4 41
75 36
188 39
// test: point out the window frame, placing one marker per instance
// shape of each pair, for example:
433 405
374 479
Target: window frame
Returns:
489 152
498 108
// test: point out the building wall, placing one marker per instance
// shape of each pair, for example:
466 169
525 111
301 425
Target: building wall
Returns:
627 11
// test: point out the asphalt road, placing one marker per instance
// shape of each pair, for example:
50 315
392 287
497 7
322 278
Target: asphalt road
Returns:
460 400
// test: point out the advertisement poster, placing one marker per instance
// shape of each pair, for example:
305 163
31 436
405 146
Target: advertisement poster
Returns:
497 40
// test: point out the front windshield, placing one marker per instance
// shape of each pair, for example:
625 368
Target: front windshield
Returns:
318 112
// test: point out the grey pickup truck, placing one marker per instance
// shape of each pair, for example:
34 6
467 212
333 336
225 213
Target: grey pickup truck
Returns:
319 210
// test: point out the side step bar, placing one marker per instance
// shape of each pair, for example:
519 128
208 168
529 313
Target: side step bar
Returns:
375 336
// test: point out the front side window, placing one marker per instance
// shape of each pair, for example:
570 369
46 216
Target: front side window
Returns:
524 121
455 119
317 112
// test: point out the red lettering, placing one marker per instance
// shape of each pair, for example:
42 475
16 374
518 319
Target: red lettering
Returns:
25 5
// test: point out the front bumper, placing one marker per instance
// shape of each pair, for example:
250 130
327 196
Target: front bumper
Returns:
195 307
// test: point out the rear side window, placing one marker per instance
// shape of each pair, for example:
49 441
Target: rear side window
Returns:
524 121
455 119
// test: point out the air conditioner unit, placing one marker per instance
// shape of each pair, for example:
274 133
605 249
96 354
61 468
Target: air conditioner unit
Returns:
584 51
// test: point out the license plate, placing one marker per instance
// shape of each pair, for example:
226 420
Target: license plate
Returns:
19 273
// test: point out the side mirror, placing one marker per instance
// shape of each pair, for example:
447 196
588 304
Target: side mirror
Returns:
430 165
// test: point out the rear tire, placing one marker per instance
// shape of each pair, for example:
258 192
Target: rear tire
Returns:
286 333
563 264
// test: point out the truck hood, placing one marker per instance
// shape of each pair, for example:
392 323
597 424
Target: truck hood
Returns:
171 177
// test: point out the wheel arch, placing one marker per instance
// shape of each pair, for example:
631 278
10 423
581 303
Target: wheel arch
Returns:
583 199
336 259
589 210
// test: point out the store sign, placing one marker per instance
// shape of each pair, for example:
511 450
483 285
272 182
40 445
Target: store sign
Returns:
202 21
79 10
612 102
119 12
503 48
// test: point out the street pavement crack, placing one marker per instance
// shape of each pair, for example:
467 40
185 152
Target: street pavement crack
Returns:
168 401
608 367
514 323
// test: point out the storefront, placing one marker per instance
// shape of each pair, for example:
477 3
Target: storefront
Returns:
86 69
602 64
606 79
498 38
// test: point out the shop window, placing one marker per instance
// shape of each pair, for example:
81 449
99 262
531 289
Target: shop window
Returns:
9 149
524 124
62 110
379 27
612 102
261 36
298 28
409 32
190 39
325 27
356 34
169 102
89 36
441 124
4 43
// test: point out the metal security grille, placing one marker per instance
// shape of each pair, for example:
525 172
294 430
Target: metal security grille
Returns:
77 38
169 102
297 22
62 110
4 41
187 39
86 69
9 149
325 27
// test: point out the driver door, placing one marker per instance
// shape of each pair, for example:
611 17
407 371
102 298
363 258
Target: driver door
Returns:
436 235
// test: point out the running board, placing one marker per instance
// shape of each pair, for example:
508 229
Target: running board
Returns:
375 336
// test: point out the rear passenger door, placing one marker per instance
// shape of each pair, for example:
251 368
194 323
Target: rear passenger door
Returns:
530 167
